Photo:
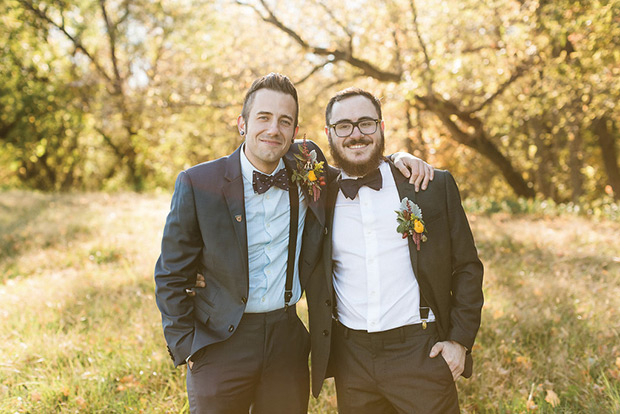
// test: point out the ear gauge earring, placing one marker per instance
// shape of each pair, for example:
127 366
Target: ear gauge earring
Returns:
242 133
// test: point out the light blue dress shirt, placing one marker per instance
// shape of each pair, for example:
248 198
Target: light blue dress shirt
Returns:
268 221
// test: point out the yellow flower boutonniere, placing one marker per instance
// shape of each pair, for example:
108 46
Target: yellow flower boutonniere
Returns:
309 172
410 223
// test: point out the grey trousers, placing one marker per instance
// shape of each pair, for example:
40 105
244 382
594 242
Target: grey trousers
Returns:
262 368
390 372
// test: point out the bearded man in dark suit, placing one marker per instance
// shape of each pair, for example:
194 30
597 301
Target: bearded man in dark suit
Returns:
393 317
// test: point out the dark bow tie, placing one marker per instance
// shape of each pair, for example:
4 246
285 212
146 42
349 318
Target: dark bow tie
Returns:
262 182
350 187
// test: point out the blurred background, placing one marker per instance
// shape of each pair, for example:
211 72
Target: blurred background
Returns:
516 97
103 102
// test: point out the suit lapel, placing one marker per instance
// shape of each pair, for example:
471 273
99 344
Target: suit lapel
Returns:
233 193
406 190
330 202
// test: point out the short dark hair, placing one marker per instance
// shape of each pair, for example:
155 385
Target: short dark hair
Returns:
347 93
275 82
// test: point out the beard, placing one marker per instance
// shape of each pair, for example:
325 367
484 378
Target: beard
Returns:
357 169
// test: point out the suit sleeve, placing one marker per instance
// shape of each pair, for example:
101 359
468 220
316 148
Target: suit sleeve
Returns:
467 270
176 270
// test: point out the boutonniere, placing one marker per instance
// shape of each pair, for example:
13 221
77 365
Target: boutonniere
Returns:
410 223
309 172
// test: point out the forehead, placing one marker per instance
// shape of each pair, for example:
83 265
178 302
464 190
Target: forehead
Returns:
273 102
353 108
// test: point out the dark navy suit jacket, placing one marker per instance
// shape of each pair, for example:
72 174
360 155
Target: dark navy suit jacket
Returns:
206 233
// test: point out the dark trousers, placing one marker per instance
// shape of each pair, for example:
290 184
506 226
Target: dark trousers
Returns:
391 372
262 368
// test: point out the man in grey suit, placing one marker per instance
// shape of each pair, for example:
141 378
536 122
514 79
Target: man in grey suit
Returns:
241 222
394 306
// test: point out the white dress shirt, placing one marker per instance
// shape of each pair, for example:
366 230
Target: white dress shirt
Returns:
374 281
268 222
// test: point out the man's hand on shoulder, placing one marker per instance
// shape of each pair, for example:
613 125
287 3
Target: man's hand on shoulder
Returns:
418 171
454 355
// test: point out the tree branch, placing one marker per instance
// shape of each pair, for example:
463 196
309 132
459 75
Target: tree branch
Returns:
312 72
76 42
333 54
429 71
516 75
111 29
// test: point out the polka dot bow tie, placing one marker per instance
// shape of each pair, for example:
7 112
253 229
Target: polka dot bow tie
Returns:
262 182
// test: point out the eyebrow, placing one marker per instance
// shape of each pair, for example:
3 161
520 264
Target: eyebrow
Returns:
269 113
363 118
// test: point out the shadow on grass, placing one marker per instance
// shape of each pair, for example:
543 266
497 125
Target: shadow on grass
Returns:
34 222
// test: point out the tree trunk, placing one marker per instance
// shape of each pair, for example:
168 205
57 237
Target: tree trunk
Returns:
477 140
575 162
607 134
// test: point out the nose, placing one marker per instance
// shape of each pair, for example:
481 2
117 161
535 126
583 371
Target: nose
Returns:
273 128
359 131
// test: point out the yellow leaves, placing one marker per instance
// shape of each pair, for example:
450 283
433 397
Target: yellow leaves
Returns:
618 362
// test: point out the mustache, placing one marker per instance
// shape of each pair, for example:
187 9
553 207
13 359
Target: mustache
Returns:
356 141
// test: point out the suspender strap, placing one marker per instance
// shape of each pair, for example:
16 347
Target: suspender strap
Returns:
292 243
424 309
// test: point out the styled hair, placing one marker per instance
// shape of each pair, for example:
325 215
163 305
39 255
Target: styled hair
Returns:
347 93
275 82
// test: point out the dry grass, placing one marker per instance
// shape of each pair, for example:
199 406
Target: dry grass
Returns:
81 332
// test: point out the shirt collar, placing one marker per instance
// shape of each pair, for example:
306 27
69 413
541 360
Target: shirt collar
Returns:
247 168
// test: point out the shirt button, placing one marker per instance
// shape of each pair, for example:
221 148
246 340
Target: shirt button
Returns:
267 197
267 225
262 300
231 328
328 302
325 332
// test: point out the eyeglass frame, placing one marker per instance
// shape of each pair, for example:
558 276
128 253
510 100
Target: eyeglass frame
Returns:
356 124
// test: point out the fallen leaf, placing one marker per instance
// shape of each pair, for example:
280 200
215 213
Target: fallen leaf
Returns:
618 362
66 391
80 402
531 405
35 396
552 398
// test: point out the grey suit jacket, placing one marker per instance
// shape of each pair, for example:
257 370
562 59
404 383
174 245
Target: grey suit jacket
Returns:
447 269
205 233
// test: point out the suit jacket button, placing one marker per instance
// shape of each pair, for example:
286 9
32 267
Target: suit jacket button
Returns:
325 332
244 299
328 302
231 328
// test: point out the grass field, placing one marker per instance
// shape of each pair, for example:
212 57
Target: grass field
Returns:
81 332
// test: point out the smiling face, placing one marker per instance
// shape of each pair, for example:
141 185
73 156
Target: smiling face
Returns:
359 153
269 129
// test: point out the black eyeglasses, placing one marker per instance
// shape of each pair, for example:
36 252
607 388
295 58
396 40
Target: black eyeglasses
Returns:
345 129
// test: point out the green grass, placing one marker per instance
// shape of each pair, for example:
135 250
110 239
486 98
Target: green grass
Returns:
81 331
